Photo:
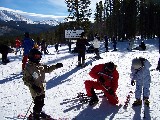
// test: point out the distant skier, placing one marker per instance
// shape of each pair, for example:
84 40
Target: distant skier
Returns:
96 45
106 77
130 44
106 42
27 45
114 41
141 74
142 46
56 47
44 47
18 45
81 48
34 78
4 50
158 65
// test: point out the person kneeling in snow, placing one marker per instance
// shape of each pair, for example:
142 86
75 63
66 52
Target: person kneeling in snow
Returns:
34 78
106 77
140 73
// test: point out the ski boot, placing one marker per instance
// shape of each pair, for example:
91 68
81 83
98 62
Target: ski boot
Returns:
30 117
36 116
93 100
146 101
137 102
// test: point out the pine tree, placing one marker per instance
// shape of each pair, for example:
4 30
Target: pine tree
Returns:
78 10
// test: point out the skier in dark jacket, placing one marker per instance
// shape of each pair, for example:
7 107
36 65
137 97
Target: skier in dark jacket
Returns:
158 65
106 42
114 41
81 48
34 78
56 47
44 46
4 50
142 46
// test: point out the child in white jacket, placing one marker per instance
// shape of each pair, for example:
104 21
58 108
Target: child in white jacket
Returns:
141 74
96 45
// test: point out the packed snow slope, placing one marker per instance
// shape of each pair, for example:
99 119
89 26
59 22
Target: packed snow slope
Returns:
64 83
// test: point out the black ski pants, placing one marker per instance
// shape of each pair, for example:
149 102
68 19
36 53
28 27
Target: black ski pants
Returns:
81 56
38 104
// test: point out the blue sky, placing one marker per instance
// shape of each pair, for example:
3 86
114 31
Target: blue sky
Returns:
40 9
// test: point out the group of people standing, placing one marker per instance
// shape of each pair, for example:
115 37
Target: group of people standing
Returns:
27 44
82 43
106 75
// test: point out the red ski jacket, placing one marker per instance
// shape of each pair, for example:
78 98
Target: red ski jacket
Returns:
18 43
111 79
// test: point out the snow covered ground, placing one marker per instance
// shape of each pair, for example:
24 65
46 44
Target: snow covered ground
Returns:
64 83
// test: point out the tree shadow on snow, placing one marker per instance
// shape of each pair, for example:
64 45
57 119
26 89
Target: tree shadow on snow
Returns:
60 79
59 59
90 112
13 77
105 109
73 104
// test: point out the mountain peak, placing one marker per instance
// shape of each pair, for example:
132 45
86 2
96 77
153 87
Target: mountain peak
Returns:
13 16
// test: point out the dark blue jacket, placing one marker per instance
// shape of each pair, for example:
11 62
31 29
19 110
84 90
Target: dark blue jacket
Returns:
27 45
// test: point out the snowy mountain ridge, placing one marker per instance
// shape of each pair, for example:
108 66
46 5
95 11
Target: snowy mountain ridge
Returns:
13 16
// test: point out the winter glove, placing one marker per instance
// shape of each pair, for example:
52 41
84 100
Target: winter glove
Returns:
58 65
110 91
132 82
36 88
101 79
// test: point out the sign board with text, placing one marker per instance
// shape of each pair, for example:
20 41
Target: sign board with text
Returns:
73 33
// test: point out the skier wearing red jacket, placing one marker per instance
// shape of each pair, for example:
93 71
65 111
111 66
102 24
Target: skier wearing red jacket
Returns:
106 77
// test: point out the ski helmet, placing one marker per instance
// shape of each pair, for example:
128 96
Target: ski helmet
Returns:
110 66
136 63
35 55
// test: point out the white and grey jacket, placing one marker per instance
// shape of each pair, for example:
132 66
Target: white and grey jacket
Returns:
142 78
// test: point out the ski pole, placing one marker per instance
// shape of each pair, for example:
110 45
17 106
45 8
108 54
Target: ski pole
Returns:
28 110
101 73
107 89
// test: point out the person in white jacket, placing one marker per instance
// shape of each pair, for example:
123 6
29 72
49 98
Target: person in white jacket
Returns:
141 75
96 45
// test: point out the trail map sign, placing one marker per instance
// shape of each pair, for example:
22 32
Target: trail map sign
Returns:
73 33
